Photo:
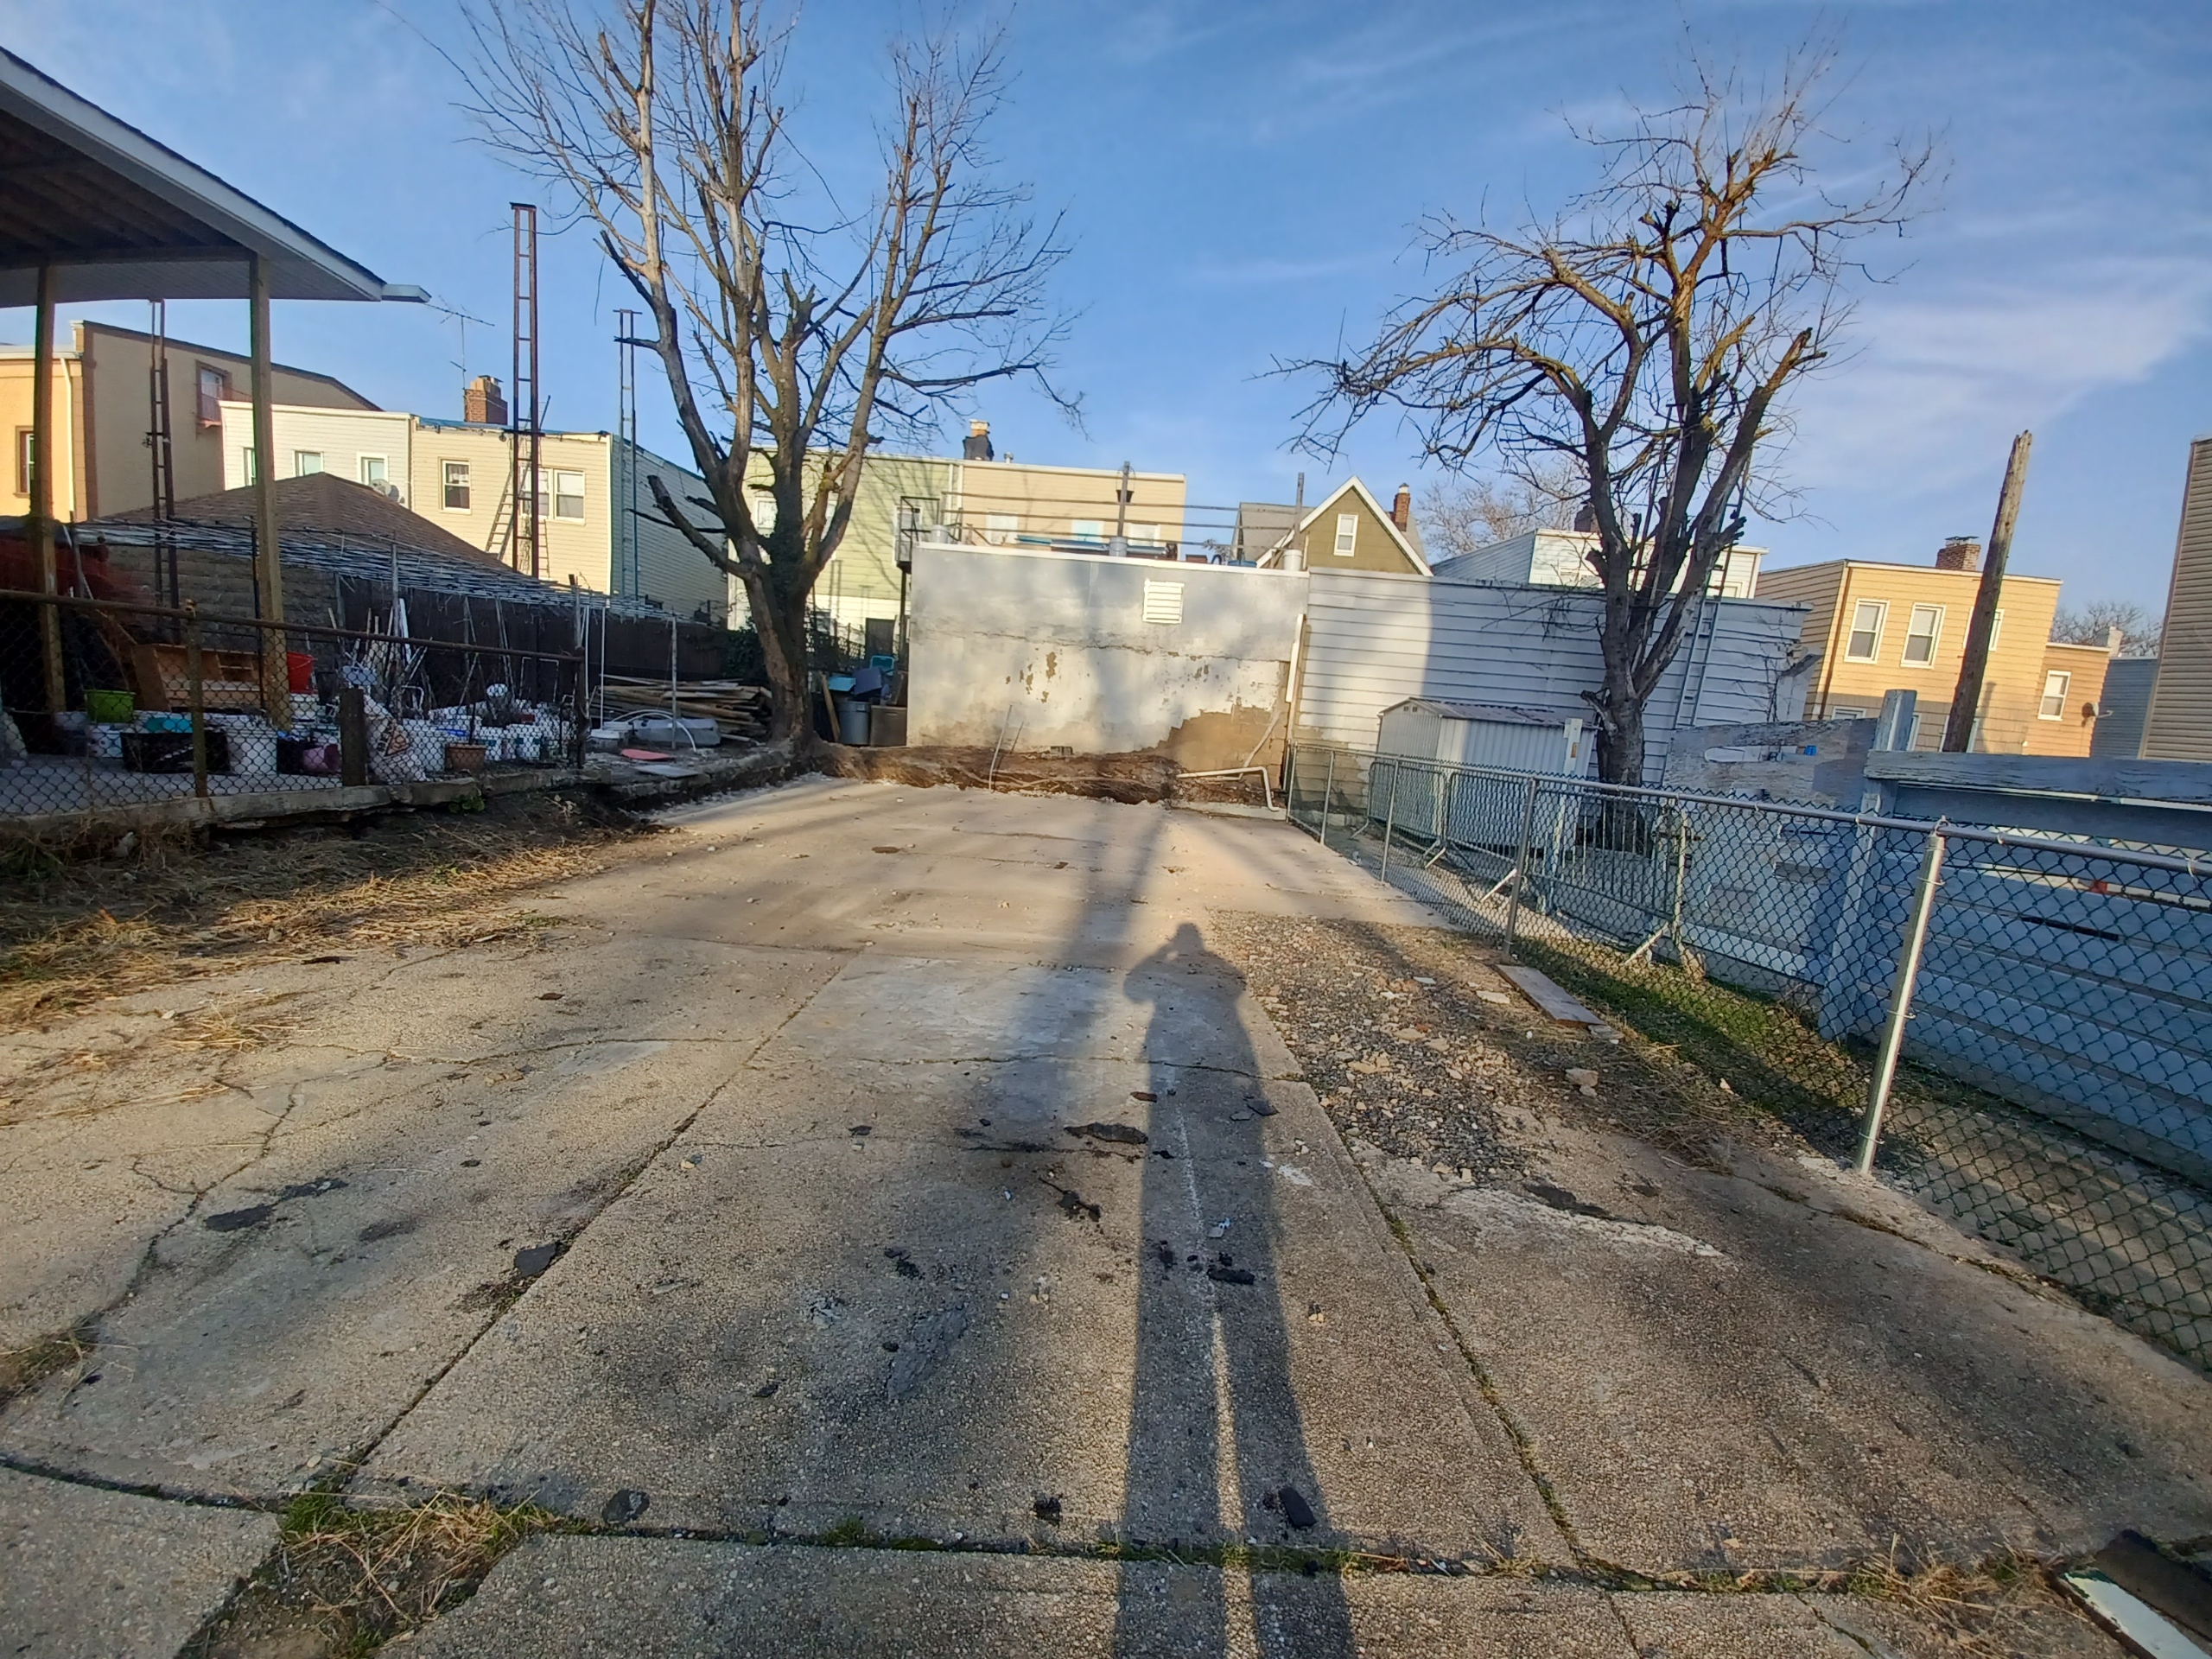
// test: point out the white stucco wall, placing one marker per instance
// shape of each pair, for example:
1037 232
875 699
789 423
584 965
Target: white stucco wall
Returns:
1056 646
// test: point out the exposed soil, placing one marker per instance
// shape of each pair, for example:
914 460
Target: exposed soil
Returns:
148 910
1124 778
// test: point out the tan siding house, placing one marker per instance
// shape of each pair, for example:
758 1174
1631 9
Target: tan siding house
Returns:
103 407
1884 628
2179 725
1352 531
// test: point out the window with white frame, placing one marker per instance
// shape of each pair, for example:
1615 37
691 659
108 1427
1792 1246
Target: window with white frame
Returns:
456 485
1921 634
2054 696
1163 601
213 386
306 462
1996 628
1864 644
376 472
1347 534
1916 738
568 495
247 466
1846 711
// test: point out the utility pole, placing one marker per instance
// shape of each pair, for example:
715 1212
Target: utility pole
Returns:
1965 701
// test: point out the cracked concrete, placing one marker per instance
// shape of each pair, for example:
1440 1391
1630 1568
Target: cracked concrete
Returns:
760 1187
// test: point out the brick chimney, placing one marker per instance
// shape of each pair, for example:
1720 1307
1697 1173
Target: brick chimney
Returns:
978 447
482 402
1585 519
1402 509
1959 553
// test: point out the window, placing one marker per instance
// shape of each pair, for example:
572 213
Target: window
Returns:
306 462
456 481
1146 535
568 495
764 511
23 437
1996 628
214 385
1000 528
1163 601
2054 696
1347 534
246 466
1846 711
376 472
1089 530
1864 644
1921 635
1919 730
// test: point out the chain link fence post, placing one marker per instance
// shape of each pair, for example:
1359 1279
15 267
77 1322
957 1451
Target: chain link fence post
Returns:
1328 784
1521 864
1885 1059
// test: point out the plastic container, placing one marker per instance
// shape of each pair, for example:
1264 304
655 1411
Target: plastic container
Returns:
852 722
110 707
299 670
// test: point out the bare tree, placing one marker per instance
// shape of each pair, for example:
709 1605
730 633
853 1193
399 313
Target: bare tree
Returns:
794 335
1466 516
2092 624
1644 340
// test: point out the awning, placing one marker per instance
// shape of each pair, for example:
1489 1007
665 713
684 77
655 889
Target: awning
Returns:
120 217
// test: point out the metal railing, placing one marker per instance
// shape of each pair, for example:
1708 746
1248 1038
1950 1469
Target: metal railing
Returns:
2016 1029
107 705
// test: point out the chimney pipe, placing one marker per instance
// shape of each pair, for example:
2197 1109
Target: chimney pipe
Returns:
1585 519
1402 509
1960 553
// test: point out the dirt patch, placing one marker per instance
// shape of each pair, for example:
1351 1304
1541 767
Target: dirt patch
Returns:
154 911
1124 778
1415 1045
343 1581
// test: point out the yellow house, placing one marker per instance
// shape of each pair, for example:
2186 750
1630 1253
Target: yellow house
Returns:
1350 531
1882 627
457 474
103 409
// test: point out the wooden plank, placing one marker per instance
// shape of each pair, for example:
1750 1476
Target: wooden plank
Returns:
1539 988
2185 781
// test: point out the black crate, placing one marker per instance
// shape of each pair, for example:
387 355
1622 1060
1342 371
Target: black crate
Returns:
172 751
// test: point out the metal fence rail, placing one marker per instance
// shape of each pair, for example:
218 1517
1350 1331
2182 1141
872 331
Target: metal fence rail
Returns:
2016 1029
107 705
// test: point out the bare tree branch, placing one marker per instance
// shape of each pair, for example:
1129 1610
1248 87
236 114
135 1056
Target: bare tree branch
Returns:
791 347
1645 340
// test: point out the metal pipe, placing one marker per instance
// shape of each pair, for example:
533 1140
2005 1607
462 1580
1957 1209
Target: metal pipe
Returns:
1886 1060
41 483
1521 864
1389 823
1327 784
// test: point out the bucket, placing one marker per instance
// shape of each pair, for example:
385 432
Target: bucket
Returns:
299 669
110 707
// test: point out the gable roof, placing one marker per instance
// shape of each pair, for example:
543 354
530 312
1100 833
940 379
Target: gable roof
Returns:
1352 485
325 504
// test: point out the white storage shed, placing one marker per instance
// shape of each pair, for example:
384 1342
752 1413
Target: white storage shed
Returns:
1484 735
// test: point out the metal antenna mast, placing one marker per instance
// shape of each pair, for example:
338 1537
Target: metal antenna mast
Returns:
628 578
162 454
525 543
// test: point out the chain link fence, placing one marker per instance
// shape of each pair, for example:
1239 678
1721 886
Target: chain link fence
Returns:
107 705
2017 1030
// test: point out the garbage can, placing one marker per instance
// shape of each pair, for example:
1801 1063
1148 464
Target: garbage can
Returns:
852 722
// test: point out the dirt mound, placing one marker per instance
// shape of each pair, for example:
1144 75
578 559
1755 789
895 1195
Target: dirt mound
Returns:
1124 778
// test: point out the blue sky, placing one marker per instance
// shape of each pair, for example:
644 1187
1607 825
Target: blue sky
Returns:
1240 180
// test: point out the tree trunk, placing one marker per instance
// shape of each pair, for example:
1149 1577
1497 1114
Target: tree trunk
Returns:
780 623
1620 736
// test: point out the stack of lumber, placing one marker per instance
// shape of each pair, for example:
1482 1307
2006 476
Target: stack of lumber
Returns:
739 709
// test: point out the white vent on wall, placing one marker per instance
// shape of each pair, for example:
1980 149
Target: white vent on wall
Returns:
1163 601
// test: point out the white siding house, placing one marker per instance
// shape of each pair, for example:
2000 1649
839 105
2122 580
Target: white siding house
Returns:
1559 559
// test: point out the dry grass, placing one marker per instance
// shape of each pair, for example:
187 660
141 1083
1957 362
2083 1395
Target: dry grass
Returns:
74 930
345 1581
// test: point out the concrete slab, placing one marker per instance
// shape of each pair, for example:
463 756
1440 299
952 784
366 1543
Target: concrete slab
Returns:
600 1596
350 1219
1783 1366
933 1326
86 1572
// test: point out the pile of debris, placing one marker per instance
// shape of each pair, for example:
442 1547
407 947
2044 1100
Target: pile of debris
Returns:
1125 778
740 710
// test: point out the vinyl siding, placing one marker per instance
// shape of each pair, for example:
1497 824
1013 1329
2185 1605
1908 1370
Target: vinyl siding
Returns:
2179 726
1374 639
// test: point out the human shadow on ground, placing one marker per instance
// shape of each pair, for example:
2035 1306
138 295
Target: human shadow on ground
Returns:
1212 1343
